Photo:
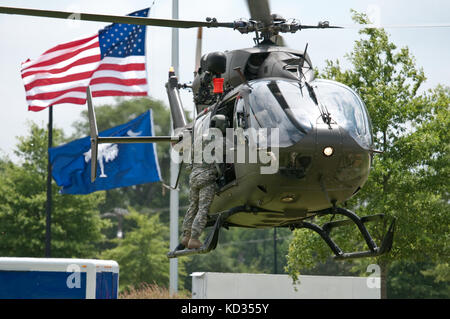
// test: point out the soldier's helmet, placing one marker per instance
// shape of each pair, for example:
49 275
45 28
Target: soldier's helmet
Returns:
220 121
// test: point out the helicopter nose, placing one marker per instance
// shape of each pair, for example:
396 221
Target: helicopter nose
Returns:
328 140
328 151
328 157
340 161
316 154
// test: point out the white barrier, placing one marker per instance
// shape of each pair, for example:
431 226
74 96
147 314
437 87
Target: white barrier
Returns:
210 285
58 278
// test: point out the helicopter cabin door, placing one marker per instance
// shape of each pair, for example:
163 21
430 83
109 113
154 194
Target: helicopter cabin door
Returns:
244 140
227 175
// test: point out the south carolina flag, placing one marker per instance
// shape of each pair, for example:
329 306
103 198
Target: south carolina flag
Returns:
119 165
111 62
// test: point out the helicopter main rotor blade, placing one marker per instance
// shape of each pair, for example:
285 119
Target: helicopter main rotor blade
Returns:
260 11
198 50
319 26
212 23
396 26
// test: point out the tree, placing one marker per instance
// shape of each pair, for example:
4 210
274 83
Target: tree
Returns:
145 198
243 250
409 180
142 253
253 250
409 280
149 200
76 224
440 272
141 197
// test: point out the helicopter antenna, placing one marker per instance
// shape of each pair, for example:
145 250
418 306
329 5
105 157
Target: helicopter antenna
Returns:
302 63
326 116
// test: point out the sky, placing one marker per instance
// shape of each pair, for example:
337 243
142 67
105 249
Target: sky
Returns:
25 37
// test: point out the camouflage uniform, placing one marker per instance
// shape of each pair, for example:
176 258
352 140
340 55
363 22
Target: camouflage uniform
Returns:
202 189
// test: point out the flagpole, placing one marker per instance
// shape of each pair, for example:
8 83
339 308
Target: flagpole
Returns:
49 187
174 196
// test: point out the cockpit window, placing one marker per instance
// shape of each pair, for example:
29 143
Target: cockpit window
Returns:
266 112
346 109
291 107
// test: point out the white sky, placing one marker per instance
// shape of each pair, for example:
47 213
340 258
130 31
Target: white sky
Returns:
28 37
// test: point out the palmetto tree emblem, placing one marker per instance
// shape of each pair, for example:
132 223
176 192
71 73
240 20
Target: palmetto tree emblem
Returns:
107 153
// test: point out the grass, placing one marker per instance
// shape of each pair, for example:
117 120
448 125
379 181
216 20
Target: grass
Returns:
151 291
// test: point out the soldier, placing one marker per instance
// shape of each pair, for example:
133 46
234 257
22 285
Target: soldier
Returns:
202 190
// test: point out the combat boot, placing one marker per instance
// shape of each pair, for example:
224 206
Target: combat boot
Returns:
194 243
185 241
183 244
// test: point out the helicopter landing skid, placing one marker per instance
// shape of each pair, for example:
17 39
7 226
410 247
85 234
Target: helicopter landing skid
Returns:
325 230
210 242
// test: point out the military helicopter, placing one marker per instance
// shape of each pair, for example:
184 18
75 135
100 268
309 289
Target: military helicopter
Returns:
324 150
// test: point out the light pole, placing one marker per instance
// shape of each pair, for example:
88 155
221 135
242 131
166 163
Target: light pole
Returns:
174 201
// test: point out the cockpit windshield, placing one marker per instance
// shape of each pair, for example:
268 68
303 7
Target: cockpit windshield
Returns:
346 109
266 112
295 109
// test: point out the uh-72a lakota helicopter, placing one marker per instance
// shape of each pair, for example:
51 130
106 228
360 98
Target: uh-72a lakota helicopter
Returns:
324 151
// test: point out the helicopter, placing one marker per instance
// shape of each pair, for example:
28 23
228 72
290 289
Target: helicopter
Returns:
323 145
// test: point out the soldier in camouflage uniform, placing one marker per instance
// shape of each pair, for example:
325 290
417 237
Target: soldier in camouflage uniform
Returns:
202 190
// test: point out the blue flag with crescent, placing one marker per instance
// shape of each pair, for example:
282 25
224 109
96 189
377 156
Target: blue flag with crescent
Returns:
119 165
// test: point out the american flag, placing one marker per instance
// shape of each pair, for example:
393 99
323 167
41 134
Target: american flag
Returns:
111 62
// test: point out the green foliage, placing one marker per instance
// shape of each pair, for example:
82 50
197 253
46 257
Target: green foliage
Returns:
148 198
440 273
79 232
253 249
142 253
240 250
410 180
145 198
243 250
409 280
76 225
141 197
123 111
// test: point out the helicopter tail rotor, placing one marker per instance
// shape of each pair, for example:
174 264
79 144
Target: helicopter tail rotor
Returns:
176 106
96 139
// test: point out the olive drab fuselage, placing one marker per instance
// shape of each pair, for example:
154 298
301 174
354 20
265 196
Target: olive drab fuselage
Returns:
265 86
